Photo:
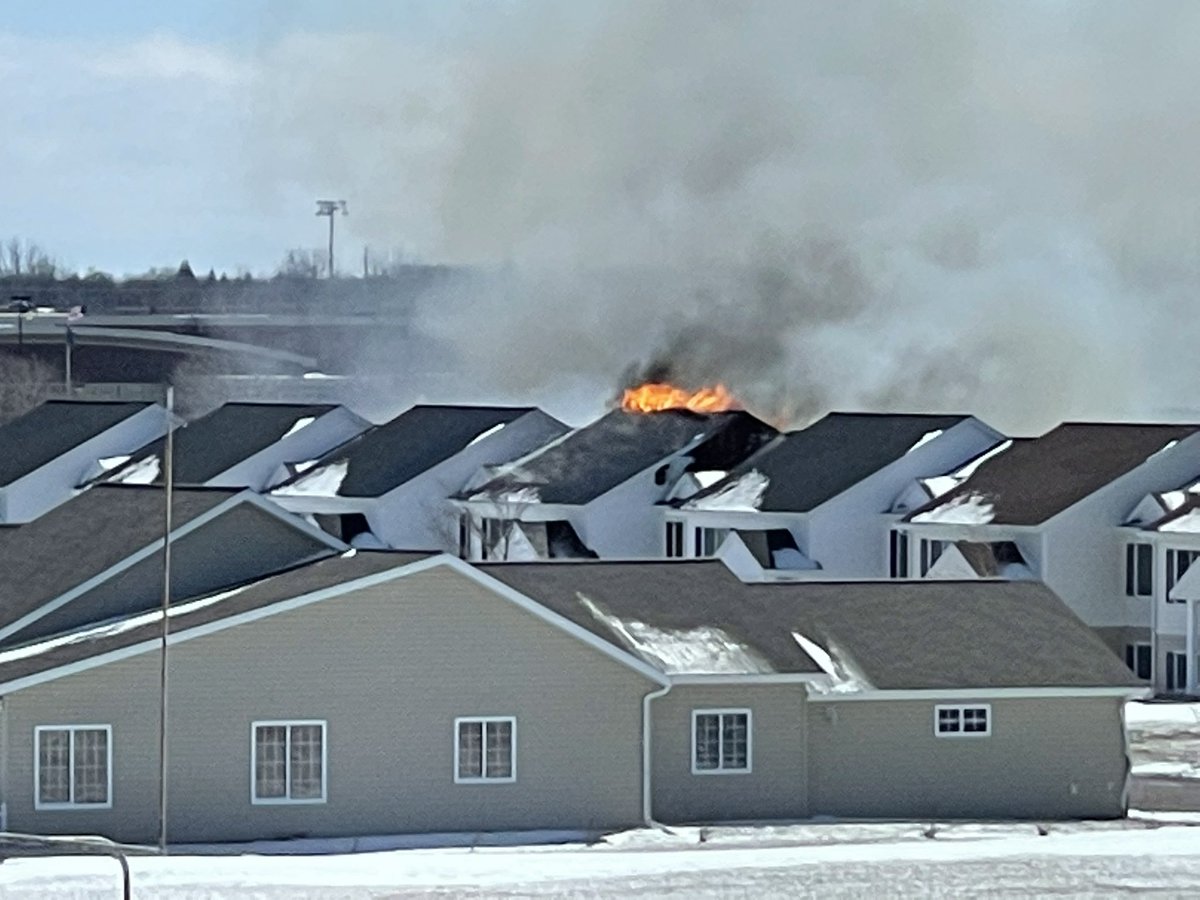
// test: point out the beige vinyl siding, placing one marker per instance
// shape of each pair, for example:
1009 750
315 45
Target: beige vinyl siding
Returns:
1052 758
389 668
774 788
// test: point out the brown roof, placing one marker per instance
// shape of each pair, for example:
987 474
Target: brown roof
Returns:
1033 481
296 582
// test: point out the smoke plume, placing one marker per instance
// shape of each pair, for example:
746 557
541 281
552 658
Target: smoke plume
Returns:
987 207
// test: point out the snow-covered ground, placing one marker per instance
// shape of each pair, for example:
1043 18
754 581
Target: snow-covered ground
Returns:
1077 860
1156 853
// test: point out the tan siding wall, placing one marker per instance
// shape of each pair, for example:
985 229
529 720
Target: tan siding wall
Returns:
775 786
389 668
1053 758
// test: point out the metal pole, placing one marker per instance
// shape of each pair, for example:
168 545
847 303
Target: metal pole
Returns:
331 245
67 368
165 630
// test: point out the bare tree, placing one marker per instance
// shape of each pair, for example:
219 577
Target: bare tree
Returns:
26 259
25 382
301 263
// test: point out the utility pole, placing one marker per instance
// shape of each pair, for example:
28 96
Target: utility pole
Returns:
330 208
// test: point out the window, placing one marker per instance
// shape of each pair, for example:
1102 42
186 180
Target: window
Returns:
1138 658
720 741
1177 672
898 554
464 535
1139 570
485 750
674 540
289 762
72 766
962 721
709 540
1178 562
931 551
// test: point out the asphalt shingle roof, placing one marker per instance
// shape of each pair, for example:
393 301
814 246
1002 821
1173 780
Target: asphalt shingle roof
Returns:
414 442
1033 481
85 536
901 635
295 582
808 467
595 459
52 429
220 440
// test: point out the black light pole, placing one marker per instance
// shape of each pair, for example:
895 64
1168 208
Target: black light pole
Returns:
329 208
21 303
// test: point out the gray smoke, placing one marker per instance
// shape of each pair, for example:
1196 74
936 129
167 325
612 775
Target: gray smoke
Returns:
990 207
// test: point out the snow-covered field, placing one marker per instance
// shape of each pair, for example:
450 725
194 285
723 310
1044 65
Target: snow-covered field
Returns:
1156 853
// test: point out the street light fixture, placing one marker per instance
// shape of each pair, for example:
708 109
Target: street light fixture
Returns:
329 208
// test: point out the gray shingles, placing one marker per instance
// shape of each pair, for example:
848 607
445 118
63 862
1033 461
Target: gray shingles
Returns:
85 536
414 442
295 582
225 437
1033 481
805 468
595 459
50 430
900 634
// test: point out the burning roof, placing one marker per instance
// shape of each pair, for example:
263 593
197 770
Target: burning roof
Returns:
591 461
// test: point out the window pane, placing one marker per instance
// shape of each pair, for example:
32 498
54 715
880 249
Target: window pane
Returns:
974 719
470 749
1144 659
1145 570
734 741
270 761
54 761
307 774
1129 570
91 766
948 721
708 741
499 750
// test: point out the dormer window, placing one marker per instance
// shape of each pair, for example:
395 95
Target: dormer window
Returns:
1139 570
1178 562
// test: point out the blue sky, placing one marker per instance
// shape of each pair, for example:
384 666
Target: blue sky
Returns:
149 131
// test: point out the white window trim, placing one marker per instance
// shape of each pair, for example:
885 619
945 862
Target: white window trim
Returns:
937 710
484 778
37 767
749 741
287 756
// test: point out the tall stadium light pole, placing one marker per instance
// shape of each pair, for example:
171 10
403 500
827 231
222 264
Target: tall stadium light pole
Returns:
330 208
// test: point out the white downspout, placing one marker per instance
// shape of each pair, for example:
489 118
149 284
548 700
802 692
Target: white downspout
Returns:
647 761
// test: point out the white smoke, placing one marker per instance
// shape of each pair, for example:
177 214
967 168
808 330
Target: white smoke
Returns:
988 207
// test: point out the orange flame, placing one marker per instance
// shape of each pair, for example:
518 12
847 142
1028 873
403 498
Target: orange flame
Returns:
657 396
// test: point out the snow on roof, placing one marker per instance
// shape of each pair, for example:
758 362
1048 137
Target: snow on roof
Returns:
108 463
972 509
926 438
844 677
486 433
939 485
743 494
302 422
323 482
1187 523
704 650
144 471
117 627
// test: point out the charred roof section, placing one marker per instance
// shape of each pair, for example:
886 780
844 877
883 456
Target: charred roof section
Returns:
595 459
